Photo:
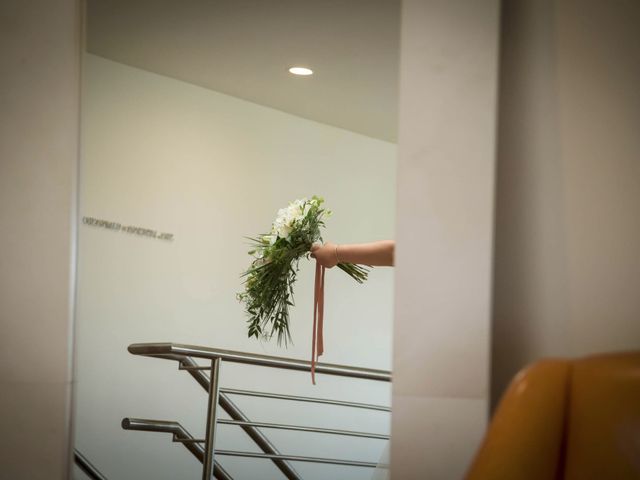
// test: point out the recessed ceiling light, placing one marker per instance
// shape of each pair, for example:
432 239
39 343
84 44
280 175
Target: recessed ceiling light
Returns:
301 71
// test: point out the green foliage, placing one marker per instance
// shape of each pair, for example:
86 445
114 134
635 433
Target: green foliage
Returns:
269 281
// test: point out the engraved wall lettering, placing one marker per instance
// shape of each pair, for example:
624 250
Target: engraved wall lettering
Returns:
131 229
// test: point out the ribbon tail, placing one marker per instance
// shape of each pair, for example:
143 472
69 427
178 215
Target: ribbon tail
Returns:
315 323
320 345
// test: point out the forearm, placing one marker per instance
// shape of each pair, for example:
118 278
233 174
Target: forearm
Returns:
376 254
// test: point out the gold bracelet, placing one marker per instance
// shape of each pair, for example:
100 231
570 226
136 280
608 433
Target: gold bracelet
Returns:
337 258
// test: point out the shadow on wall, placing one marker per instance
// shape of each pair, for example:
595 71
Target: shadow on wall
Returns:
568 183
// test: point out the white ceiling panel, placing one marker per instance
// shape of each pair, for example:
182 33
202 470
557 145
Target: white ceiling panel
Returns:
244 48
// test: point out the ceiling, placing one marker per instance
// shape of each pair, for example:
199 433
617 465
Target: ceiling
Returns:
244 48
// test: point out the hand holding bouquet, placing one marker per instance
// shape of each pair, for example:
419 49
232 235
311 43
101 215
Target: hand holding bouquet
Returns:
268 292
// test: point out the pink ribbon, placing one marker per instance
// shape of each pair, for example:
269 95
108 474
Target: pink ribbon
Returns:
317 342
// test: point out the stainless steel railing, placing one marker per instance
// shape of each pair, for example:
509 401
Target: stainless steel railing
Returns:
225 402
86 466
218 397
180 435
173 350
296 398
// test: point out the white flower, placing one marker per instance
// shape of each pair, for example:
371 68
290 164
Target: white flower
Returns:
294 212
287 217
283 231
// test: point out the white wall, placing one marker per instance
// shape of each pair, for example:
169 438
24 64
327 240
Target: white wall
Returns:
39 98
568 191
211 169
444 234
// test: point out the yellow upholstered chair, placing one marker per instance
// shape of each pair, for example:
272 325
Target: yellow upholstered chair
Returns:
566 420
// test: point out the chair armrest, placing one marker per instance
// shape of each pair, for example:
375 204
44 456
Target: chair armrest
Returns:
525 438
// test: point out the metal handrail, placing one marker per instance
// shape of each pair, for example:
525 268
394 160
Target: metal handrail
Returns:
87 467
219 397
298 428
180 434
235 413
170 350
297 398
300 458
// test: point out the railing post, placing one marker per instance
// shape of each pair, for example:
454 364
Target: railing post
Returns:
212 416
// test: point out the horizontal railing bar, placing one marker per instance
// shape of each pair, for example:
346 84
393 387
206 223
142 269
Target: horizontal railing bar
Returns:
297 458
170 350
250 393
298 428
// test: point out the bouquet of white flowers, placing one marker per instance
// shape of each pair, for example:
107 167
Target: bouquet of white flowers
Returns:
268 292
